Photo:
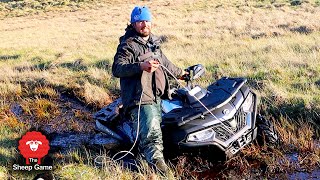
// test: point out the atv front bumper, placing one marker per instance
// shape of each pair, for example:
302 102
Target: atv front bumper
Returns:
229 141
230 147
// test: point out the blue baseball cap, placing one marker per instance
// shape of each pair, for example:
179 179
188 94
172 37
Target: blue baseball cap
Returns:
140 14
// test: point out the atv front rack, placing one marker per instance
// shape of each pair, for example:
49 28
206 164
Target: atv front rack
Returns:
220 93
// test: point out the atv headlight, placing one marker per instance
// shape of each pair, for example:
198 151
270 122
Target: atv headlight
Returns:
247 104
201 136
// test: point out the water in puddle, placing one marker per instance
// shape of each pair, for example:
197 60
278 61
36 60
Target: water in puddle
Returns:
67 141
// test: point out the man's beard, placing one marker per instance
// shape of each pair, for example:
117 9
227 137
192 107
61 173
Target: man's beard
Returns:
144 34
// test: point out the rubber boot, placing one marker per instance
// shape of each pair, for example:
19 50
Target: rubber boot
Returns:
161 166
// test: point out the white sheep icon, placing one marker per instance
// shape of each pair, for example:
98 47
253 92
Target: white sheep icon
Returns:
33 145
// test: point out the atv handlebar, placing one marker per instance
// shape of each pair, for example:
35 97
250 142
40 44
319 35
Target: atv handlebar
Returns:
194 71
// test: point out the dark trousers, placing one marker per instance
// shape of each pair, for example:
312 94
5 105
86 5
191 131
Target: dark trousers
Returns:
150 135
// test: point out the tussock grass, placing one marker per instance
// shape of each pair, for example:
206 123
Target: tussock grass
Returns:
88 164
48 54
9 91
11 130
41 109
3 172
9 122
96 95
297 136
46 92
22 8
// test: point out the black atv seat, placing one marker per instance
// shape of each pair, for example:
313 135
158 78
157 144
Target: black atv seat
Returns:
219 94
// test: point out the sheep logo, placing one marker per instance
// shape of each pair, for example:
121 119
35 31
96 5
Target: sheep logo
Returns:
33 145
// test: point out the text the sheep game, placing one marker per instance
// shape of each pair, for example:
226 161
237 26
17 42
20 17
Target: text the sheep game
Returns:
33 146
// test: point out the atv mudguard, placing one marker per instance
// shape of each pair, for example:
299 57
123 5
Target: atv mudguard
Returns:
110 113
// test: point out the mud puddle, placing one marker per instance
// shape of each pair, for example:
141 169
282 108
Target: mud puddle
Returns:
255 170
72 128
73 116
301 172
315 174
65 142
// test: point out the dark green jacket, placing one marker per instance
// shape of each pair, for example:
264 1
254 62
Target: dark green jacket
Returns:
126 66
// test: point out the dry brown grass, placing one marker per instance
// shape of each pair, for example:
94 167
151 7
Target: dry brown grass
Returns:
8 119
41 109
297 137
50 54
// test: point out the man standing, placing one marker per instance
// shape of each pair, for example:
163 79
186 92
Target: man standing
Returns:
139 63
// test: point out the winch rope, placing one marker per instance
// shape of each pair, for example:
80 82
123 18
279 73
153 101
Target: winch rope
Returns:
138 120
226 127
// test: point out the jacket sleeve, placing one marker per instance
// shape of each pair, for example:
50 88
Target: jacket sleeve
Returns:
124 64
176 71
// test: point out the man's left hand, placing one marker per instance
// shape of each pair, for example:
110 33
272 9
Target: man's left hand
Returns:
185 74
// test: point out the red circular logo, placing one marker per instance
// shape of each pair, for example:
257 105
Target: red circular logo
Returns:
33 145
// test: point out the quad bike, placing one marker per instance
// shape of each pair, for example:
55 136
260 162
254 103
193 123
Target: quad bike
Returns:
223 117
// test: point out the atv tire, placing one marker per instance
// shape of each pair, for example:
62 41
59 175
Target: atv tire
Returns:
266 132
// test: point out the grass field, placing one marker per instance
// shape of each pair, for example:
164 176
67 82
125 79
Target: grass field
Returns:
52 49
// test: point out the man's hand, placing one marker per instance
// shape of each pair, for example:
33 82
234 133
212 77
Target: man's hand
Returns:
185 75
150 66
